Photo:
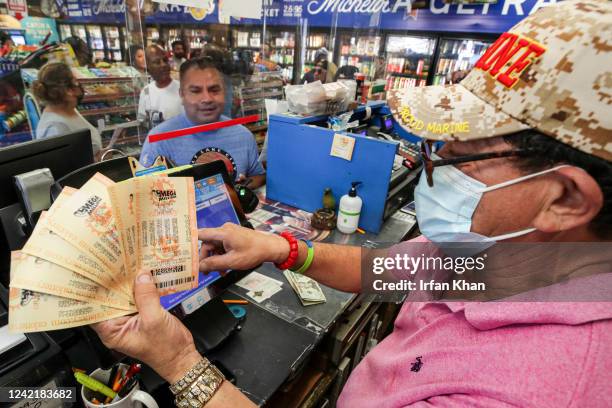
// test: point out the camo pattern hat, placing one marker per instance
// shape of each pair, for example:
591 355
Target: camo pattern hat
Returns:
551 72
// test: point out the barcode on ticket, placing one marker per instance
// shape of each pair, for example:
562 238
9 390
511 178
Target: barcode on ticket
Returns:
180 281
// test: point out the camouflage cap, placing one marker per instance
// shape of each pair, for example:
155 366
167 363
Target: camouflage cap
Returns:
551 72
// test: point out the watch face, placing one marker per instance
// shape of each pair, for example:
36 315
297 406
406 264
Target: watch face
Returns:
210 154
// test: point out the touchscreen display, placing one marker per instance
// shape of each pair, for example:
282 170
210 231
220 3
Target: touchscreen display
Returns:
213 209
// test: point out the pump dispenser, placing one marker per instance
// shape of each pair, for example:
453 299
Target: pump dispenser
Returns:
350 210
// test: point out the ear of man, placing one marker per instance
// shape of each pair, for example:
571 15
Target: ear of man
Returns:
573 200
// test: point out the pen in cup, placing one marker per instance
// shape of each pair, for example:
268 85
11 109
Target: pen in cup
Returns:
94 385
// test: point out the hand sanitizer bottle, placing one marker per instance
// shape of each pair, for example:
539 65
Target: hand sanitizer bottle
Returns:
349 211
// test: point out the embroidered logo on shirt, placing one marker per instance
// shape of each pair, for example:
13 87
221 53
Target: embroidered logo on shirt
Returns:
416 366
210 154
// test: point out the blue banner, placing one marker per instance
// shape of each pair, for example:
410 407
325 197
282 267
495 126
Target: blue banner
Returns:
96 11
355 14
363 14
37 28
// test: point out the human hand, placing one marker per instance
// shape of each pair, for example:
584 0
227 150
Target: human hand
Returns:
241 179
235 247
153 336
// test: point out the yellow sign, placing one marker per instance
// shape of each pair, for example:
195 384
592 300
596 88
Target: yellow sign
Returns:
199 13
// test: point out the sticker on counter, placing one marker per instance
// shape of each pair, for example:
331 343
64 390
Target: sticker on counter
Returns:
343 146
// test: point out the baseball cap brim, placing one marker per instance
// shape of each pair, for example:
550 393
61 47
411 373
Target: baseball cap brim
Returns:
452 112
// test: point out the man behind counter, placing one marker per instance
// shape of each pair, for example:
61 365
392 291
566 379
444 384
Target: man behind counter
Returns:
534 166
203 94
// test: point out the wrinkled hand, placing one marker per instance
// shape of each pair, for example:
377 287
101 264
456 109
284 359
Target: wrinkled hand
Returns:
152 336
235 247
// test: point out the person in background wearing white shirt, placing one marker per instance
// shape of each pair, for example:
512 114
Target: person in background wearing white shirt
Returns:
179 52
160 99
60 93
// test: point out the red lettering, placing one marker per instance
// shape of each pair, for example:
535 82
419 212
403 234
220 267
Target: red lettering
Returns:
497 56
504 55
519 65
501 52
482 61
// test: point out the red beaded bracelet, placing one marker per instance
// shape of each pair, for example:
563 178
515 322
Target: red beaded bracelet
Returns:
293 251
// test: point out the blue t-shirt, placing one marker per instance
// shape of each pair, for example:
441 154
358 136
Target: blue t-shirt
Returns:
235 145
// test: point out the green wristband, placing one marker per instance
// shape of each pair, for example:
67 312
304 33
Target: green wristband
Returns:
309 258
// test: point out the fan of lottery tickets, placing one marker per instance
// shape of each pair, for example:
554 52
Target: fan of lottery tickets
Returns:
78 267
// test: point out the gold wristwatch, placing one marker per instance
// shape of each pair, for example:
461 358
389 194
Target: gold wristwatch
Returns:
198 386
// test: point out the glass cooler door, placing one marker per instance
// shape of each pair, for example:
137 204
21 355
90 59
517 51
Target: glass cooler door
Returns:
281 52
96 42
456 58
409 60
64 31
360 52
79 31
313 42
113 42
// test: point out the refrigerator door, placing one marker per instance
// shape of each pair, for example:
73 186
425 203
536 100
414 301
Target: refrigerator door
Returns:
96 42
113 43
125 39
409 60
79 31
456 58
64 31
152 35
313 42
279 55
171 35
361 51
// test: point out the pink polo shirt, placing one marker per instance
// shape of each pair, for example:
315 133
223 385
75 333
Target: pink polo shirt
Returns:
489 354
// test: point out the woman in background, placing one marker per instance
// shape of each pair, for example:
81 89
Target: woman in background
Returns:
81 51
136 58
60 93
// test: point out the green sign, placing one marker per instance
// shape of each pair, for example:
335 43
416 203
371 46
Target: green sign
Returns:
37 28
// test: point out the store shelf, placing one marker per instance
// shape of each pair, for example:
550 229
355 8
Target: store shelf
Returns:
117 109
357 55
106 97
125 125
399 74
258 96
105 79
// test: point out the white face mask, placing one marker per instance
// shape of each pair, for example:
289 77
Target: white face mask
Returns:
445 211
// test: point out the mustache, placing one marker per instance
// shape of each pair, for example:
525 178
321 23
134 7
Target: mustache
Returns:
206 106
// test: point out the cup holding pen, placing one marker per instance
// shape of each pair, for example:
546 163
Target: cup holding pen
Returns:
130 396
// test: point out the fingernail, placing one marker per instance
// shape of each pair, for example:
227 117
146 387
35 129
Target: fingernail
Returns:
144 278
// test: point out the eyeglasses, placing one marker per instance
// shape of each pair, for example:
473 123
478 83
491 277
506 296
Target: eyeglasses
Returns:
430 164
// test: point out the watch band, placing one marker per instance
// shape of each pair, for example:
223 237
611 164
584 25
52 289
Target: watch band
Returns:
202 389
190 376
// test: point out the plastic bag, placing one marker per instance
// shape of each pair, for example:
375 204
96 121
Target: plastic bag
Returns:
317 99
